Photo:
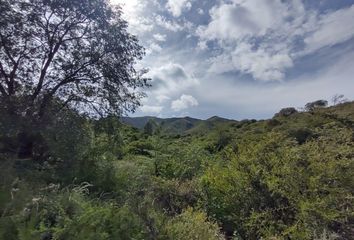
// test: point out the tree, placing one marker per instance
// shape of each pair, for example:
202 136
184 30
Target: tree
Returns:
338 99
68 52
149 127
286 112
60 54
316 104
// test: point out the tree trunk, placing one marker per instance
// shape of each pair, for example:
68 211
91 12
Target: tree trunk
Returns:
25 145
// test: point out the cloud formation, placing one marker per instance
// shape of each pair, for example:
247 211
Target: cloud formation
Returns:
263 38
177 6
237 19
252 55
160 37
331 28
146 109
184 102
171 79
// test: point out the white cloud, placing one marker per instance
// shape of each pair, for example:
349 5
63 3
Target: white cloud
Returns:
133 10
254 36
239 19
263 39
168 24
263 101
261 63
160 37
154 47
221 63
332 28
171 79
260 37
176 7
162 98
184 102
151 109
202 45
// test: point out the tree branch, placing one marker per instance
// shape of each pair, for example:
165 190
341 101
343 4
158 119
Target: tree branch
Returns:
51 56
2 90
6 50
2 71
70 99
11 82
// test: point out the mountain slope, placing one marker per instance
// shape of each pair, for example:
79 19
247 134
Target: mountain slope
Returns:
181 126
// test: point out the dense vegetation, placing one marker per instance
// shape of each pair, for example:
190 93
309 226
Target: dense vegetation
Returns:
289 177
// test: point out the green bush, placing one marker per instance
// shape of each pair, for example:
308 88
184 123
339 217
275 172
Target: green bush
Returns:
192 225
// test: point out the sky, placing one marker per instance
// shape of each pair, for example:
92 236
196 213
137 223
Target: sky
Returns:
242 58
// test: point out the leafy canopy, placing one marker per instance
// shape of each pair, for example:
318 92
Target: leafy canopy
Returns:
75 52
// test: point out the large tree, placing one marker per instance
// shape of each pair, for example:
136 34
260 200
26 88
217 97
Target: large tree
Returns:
75 53
57 56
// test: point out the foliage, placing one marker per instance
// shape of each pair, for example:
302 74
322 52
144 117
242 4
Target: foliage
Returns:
286 112
276 188
243 180
316 104
68 214
79 53
60 63
192 225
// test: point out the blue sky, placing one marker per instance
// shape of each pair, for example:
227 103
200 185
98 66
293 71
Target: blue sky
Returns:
242 58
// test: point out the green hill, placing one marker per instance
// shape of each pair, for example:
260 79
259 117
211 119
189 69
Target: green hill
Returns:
288 177
179 126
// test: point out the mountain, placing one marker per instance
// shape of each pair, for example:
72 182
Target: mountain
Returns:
194 126
181 126
140 122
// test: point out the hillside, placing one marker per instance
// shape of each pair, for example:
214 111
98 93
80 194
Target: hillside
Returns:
289 177
181 126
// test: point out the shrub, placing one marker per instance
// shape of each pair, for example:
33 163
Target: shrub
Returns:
192 225
286 112
316 104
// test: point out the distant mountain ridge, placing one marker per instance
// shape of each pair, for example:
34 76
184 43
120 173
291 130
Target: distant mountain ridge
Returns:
183 125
